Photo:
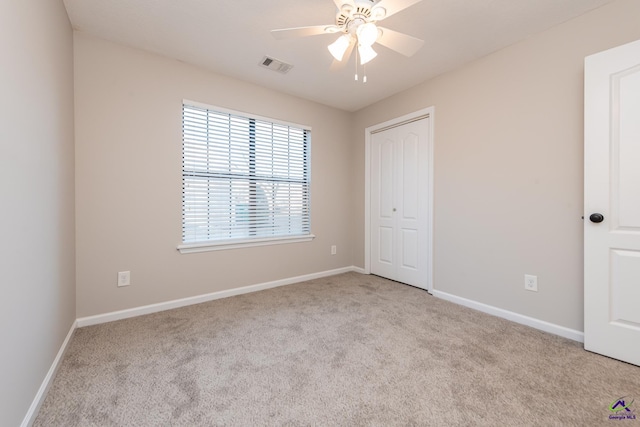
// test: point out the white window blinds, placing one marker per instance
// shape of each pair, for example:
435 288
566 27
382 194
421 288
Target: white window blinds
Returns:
243 178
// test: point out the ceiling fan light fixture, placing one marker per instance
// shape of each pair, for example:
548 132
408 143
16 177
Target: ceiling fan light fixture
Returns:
378 13
366 53
367 34
346 8
339 47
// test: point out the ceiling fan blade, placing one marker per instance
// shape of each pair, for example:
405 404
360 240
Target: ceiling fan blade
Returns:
401 43
339 3
339 65
288 33
394 6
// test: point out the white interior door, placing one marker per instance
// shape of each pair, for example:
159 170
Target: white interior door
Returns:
612 203
399 203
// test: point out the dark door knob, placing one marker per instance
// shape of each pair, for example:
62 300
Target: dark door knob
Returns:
596 217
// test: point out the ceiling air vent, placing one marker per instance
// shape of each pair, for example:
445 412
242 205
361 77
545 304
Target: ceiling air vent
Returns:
275 65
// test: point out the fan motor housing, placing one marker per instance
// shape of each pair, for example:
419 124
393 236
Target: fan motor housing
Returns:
358 13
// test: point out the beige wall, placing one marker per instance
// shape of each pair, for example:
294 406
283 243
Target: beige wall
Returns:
508 167
37 307
128 181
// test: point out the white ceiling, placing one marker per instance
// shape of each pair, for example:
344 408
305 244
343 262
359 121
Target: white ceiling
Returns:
232 36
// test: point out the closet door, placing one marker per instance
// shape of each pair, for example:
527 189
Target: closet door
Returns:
399 204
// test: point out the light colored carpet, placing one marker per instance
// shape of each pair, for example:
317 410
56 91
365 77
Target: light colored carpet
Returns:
344 350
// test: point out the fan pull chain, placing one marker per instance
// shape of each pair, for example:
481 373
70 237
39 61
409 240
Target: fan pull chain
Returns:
364 70
356 64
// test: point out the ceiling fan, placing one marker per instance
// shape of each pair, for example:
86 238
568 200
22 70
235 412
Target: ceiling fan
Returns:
356 22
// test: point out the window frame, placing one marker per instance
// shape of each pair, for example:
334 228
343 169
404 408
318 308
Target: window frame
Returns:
235 243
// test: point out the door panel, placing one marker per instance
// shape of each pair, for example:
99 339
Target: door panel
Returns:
612 188
386 178
409 244
410 177
382 205
625 292
385 252
626 146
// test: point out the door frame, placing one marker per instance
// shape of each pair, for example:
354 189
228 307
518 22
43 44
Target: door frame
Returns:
428 113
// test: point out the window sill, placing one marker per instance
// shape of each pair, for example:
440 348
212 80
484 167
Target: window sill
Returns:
241 243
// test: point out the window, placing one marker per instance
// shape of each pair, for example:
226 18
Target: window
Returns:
245 180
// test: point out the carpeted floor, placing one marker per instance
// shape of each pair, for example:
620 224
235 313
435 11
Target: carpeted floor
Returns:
344 350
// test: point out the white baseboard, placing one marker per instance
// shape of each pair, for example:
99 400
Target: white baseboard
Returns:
30 417
168 305
571 334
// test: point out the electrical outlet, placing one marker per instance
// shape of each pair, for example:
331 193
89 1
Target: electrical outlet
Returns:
124 278
531 282
334 250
